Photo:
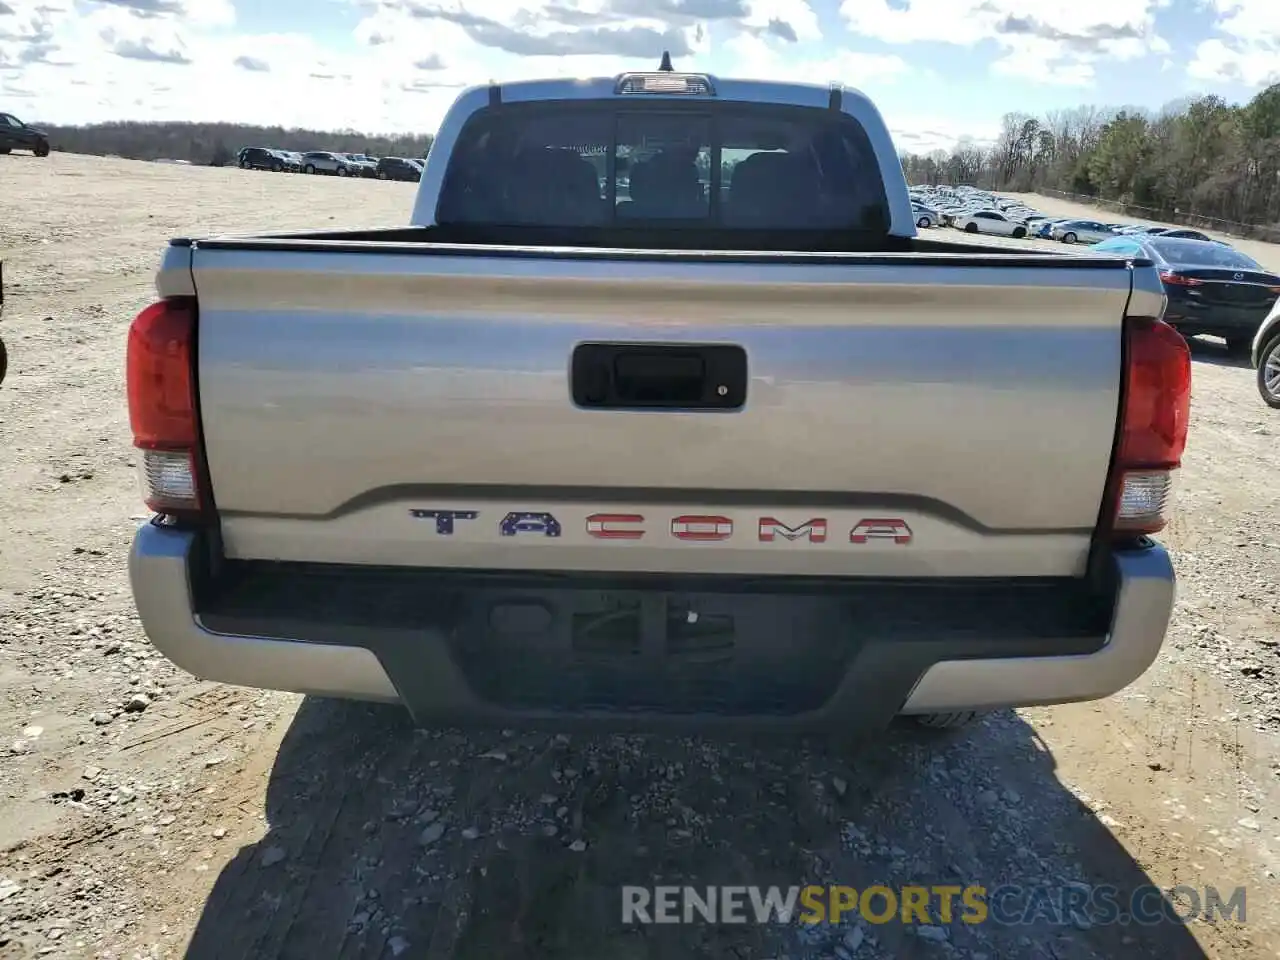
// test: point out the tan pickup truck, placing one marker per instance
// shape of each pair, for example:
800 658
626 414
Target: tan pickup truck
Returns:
657 413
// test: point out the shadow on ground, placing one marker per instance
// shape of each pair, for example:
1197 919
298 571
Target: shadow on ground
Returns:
387 842
1213 350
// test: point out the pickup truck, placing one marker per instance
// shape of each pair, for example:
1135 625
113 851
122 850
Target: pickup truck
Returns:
658 413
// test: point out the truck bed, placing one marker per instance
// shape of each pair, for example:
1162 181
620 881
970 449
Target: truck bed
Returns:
381 398
636 241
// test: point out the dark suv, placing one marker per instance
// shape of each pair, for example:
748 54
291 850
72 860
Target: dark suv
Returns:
16 135
398 168
260 158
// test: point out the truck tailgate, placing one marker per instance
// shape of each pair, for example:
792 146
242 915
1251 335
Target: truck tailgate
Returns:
905 415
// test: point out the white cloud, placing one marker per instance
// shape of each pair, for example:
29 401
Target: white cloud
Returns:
1249 50
756 57
602 28
93 60
404 62
1051 41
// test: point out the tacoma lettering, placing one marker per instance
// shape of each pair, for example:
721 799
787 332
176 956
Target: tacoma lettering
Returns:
881 529
691 526
519 522
688 527
815 530
444 518
615 526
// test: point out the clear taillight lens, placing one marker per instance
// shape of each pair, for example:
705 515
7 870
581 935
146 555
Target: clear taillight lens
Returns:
1144 499
168 480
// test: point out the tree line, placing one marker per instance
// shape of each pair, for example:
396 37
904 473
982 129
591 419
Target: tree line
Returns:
216 144
1200 161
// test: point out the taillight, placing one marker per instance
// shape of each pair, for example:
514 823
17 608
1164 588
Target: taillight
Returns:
162 405
1178 280
1155 407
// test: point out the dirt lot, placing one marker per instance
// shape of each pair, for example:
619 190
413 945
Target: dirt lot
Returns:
144 813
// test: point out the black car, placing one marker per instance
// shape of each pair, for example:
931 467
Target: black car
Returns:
16 135
398 168
1211 288
261 158
1179 233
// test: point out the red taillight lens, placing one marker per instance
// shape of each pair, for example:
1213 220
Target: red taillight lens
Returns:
162 404
1178 280
1155 410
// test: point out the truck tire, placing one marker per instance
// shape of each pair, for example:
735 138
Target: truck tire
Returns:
1269 373
945 721
277 167
342 171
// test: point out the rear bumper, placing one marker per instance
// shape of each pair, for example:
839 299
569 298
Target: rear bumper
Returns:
1218 321
405 652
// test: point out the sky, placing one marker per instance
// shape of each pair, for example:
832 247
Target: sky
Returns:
937 69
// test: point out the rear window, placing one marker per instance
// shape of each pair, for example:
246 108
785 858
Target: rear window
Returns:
720 165
1202 253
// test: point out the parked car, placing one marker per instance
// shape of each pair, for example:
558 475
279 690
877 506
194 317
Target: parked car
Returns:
1266 358
452 504
322 161
261 158
926 216
16 135
1073 231
398 168
990 221
1176 233
1211 288
1182 233
1044 229
364 166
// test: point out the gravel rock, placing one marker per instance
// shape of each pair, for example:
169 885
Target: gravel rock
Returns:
431 834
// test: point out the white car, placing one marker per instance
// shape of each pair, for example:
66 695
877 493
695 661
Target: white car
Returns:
1090 231
925 216
991 221
322 161
1266 358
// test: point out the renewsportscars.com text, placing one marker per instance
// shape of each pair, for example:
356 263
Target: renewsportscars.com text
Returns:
1009 904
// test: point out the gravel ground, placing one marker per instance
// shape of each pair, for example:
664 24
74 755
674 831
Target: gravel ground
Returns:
144 813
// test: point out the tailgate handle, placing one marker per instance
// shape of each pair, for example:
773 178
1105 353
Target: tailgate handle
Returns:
648 376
